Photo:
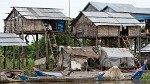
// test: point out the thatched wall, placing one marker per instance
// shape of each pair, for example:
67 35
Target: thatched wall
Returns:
16 23
85 28
108 31
133 31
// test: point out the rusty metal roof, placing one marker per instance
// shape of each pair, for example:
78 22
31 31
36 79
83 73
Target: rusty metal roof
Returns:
41 13
11 39
82 52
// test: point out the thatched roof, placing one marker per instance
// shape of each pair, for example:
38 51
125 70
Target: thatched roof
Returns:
82 51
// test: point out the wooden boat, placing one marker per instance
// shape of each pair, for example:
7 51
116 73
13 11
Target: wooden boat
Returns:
6 77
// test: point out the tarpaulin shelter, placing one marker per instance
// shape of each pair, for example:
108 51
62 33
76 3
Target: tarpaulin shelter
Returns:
116 56
145 54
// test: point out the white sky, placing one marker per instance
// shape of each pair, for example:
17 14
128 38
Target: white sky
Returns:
76 5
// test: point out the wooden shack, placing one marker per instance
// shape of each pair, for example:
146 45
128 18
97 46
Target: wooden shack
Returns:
107 29
79 57
141 14
33 20
26 21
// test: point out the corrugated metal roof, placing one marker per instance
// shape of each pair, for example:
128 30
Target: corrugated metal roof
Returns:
11 39
41 13
101 18
125 8
146 48
117 52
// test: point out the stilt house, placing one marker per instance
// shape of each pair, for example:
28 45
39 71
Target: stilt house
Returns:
35 21
109 28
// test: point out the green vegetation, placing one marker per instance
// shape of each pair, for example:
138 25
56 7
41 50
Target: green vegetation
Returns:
30 52
146 76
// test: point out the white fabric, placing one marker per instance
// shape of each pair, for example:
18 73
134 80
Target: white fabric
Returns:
117 52
53 73
75 65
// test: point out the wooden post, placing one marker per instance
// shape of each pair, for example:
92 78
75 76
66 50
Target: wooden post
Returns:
118 42
96 38
139 45
26 57
23 54
13 48
135 45
37 47
83 41
19 58
47 57
105 39
75 40
68 33
5 57
119 37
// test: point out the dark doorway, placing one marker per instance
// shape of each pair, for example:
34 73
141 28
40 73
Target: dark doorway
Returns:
124 31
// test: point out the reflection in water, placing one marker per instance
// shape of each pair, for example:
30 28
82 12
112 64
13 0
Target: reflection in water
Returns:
136 82
96 82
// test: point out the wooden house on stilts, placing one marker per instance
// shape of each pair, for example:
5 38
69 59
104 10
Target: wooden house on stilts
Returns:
140 14
107 29
25 21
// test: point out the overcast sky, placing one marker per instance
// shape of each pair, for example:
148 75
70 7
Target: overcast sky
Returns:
76 5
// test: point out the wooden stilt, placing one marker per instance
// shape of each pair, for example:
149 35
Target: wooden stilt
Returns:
19 58
47 57
37 47
135 46
5 57
22 54
75 40
13 49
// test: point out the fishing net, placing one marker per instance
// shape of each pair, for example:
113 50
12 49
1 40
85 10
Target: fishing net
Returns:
114 73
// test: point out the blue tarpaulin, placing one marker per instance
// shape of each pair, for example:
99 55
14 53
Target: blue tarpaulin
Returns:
60 25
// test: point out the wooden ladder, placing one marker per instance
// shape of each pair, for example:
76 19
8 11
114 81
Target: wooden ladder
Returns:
126 42
53 46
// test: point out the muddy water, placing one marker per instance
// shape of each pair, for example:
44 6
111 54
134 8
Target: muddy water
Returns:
96 82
